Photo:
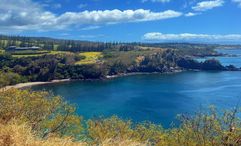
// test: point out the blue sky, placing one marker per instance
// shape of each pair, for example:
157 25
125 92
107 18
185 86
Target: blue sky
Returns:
124 20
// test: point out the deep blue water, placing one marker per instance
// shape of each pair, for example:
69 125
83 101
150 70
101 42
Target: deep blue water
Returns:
158 98
236 61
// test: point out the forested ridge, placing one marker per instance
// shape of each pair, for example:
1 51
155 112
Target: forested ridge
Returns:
78 45
72 59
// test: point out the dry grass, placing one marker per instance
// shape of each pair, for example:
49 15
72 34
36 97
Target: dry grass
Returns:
121 143
90 57
2 51
40 53
60 52
18 126
15 134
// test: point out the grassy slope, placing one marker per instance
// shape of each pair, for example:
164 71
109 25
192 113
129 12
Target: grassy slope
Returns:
38 53
20 134
1 51
90 57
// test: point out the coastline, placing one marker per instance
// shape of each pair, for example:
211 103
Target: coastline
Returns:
140 73
30 84
108 77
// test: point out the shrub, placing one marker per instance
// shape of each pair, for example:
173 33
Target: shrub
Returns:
45 113
39 118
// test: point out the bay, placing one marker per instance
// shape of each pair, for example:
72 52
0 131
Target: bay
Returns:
233 59
157 98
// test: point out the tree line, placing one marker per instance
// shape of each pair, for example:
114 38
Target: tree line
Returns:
57 44
52 67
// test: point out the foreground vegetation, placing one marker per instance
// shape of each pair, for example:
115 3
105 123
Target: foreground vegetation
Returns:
40 118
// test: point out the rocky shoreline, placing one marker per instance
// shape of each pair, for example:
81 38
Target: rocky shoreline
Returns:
140 73
30 84
107 77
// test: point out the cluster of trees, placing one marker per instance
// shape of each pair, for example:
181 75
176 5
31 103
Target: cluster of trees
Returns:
141 61
6 41
62 66
10 78
168 60
190 49
158 62
44 112
40 118
77 45
55 44
45 68
210 64
118 58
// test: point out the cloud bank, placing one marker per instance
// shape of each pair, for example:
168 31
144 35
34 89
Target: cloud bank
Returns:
28 15
157 36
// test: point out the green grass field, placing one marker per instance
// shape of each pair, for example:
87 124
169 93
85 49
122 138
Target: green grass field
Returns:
2 51
37 53
90 57
32 55
59 52
28 53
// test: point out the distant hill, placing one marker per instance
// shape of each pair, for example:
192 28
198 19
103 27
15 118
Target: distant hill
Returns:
48 43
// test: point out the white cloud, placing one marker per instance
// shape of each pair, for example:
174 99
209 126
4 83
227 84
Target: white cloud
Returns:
207 5
27 15
161 1
190 14
157 36
24 13
114 16
238 2
90 27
